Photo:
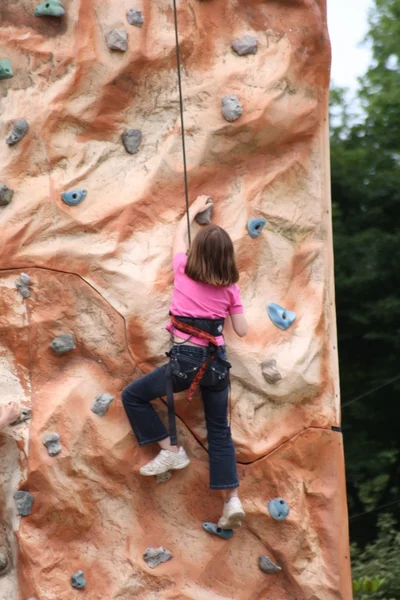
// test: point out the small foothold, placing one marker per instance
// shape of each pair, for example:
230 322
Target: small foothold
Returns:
22 284
267 566
204 218
3 562
255 226
135 17
131 138
117 39
6 70
247 45
63 343
278 509
50 8
155 556
280 317
23 502
25 414
78 581
19 130
163 477
231 107
101 403
74 197
5 195
52 443
225 534
270 372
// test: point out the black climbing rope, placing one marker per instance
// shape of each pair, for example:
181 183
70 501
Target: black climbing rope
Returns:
178 64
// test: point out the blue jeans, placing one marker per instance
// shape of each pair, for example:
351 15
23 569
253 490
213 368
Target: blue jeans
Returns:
214 386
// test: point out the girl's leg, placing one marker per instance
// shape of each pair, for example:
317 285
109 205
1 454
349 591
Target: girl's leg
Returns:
148 426
223 470
136 398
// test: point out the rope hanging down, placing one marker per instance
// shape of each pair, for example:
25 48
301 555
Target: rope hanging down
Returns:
178 64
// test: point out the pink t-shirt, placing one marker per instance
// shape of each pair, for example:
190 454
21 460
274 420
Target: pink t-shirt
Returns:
197 299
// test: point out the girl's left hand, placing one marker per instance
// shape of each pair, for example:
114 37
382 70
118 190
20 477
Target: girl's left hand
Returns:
201 204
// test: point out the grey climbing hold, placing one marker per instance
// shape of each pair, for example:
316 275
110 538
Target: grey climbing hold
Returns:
131 138
6 70
155 556
3 562
22 284
23 502
204 218
225 534
247 45
50 8
73 197
25 414
135 17
117 39
255 226
63 343
52 443
78 581
278 509
19 130
270 372
231 107
280 317
101 403
267 566
5 195
163 477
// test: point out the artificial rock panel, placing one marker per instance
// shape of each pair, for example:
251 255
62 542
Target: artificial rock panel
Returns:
100 270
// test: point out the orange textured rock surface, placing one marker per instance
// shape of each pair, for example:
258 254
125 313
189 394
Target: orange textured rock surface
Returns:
101 271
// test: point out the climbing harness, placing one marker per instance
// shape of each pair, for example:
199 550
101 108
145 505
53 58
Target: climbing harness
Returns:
205 329
178 64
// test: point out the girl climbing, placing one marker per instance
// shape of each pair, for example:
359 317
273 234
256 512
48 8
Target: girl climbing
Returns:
205 293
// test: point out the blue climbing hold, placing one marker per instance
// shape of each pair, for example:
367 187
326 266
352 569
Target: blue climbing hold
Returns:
225 534
278 509
255 226
74 197
280 317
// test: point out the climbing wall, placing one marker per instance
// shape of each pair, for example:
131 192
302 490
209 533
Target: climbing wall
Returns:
91 189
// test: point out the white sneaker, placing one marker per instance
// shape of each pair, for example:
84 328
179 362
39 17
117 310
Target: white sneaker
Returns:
166 461
232 515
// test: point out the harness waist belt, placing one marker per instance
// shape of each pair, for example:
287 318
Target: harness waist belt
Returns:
213 327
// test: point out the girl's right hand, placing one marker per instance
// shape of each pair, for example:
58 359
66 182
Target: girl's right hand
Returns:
201 204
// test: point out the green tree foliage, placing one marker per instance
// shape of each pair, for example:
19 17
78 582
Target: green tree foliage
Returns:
376 568
365 158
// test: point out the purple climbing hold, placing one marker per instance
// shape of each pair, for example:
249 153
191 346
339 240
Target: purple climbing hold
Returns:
267 566
135 17
204 218
247 45
117 39
19 130
231 108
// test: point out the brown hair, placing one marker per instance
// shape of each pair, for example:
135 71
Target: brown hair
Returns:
211 257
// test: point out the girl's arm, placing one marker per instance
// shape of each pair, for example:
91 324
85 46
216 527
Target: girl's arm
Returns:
239 324
8 414
180 243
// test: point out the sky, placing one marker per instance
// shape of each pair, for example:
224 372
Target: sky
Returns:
347 23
